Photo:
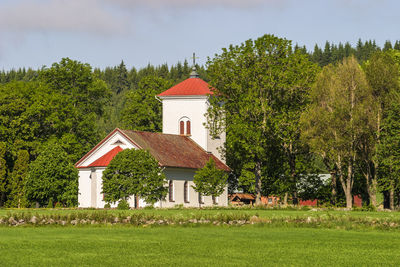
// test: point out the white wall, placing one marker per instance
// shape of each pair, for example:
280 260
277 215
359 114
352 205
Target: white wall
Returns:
84 188
179 176
174 108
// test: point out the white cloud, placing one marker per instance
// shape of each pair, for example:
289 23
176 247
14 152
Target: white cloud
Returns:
60 15
101 17
194 3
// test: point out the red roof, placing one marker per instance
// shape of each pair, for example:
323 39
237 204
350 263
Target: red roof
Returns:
191 86
169 150
172 150
104 160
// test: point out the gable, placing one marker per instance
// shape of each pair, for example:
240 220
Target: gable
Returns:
115 139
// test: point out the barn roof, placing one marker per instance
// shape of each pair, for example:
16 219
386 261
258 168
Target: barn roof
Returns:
242 196
189 87
169 150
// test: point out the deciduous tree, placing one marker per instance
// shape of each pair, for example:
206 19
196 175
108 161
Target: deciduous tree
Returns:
134 172
210 181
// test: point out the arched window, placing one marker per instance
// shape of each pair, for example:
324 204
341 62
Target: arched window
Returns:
182 128
185 126
188 127
201 198
215 200
186 192
171 191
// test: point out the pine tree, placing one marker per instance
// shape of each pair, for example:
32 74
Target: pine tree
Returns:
387 46
121 83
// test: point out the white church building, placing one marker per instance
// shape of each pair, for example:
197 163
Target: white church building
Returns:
184 146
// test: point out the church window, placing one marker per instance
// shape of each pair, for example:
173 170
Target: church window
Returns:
185 126
201 198
186 192
215 200
118 142
182 127
171 191
188 127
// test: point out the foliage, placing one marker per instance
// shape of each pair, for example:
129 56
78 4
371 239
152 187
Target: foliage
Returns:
338 117
210 181
134 172
17 196
123 205
3 172
52 177
263 86
142 110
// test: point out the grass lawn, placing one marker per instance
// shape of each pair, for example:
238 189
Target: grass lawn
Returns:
263 213
191 246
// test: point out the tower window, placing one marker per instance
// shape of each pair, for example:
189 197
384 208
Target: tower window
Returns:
185 126
188 127
182 127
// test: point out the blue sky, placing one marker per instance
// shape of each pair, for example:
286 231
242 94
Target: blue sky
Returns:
34 33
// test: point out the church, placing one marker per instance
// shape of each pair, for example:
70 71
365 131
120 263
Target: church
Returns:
184 146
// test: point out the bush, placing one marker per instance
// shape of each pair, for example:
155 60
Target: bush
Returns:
50 204
123 205
59 205
107 206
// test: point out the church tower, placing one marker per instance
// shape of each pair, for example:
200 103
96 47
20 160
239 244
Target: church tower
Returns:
184 109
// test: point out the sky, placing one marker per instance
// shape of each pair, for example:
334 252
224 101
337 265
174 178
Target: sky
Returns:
37 33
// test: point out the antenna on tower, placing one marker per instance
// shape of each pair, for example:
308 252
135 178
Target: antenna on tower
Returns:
194 73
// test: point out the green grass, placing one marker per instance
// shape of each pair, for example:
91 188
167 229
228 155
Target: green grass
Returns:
196 246
264 213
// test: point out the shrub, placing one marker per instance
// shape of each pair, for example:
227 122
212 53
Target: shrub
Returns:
123 205
107 206
59 205
50 204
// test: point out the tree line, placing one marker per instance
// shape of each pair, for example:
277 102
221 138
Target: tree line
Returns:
275 119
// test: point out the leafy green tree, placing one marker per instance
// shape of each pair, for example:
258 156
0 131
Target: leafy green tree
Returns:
262 84
389 149
142 110
338 117
3 173
210 181
52 177
17 197
134 172
383 75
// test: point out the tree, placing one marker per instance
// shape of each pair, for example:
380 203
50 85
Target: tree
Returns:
142 110
389 149
134 172
383 75
337 118
3 173
210 181
17 197
52 178
261 84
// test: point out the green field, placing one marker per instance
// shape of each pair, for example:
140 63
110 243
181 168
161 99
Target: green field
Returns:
319 244
201 246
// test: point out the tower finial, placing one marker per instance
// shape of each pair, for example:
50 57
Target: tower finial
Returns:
194 73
